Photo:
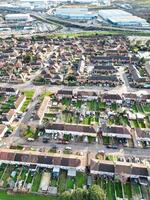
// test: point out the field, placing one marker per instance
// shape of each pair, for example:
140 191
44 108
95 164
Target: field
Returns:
5 196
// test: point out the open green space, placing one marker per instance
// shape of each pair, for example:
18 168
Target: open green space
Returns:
146 108
14 196
110 191
2 168
29 94
30 177
106 140
118 189
127 191
95 105
136 189
62 181
134 123
36 181
7 173
80 180
23 174
70 183
137 107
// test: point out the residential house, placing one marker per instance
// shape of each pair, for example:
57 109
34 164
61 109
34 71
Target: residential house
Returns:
9 117
86 95
9 91
142 134
42 109
102 167
3 130
73 129
116 132
64 94
112 98
129 97
19 102
104 80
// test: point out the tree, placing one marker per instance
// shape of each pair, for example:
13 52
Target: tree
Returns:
93 193
65 196
79 194
96 193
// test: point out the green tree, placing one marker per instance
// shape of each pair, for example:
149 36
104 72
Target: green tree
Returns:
79 194
96 193
65 196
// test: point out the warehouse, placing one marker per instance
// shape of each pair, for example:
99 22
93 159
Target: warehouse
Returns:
17 17
122 18
75 13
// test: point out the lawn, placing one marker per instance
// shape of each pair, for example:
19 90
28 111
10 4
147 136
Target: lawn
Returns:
80 180
137 108
36 181
17 174
106 140
134 124
23 174
103 184
95 105
70 183
66 102
5 196
146 108
62 181
110 191
29 94
136 190
127 191
2 168
114 106
141 124
77 104
7 174
54 182
29 178
118 189
147 122
86 120
70 117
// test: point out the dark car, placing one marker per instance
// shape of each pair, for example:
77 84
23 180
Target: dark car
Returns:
45 140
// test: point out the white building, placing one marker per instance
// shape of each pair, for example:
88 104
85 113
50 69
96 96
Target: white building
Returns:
122 18
75 13
17 17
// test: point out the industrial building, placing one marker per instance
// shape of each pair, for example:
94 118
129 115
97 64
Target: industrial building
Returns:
75 13
17 17
122 18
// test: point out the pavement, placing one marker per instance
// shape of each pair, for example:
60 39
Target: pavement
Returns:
93 148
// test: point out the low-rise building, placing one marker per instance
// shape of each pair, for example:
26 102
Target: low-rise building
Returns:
64 94
9 117
3 130
42 109
19 102
73 129
112 98
142 134
116 132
